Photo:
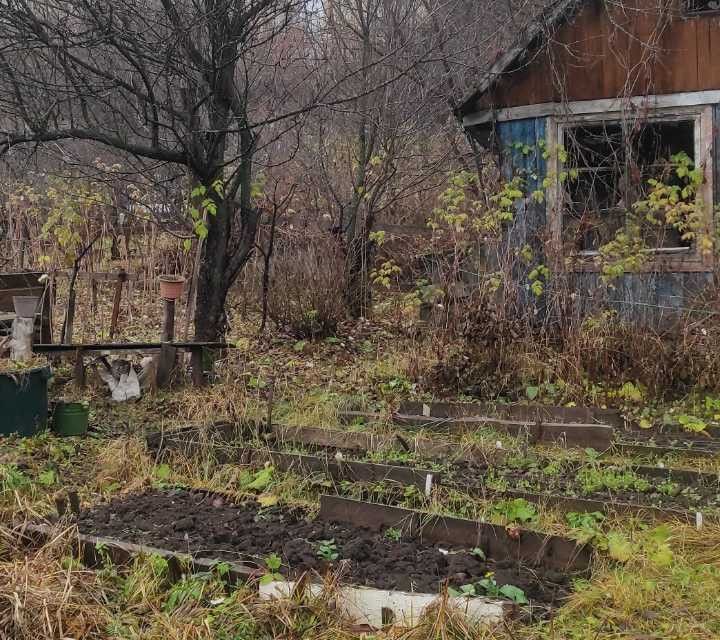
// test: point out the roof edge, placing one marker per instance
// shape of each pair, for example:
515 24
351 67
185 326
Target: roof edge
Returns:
550 18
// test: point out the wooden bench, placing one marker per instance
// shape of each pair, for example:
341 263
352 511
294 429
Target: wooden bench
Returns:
81 350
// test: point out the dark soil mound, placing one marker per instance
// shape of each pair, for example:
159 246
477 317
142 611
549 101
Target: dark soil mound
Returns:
207 525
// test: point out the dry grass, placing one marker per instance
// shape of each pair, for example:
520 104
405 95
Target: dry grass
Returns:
44 596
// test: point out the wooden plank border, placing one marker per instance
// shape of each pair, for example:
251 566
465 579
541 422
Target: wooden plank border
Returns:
94 549
597 436
496 541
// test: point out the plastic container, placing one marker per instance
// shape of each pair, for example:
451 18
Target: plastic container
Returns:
171 287
24 401
71 418
26 306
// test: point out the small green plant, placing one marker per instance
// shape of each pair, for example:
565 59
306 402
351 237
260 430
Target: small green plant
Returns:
479 553
553 468
162 473
47 477
517 510
586 526
383 275
489 586
593 478
12 479
669 488
327 550
393 534
538 277
257 480
189 589
396 385
692 423
273 564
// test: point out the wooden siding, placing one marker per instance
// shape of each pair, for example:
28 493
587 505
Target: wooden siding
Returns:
614 50
651 299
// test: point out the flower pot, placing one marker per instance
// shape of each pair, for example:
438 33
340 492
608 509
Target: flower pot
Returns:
70 418
26 306
24 401
171 287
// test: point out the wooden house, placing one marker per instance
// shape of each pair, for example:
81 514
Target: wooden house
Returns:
591 103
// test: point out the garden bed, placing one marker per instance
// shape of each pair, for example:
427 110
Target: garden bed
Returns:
645 487
668 442
392 554
533 430
567 485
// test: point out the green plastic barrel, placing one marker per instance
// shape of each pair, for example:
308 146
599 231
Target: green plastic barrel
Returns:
24 401
70 418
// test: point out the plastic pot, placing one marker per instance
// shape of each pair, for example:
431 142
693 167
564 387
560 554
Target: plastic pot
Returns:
171 287
26 306
24 401
71 418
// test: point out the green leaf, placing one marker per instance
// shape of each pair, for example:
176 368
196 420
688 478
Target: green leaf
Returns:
268 500
187 244
261 479
47 477
162 472
273 562
514 593
619 547
532 392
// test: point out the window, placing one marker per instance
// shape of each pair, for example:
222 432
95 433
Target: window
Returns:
702 6
604 167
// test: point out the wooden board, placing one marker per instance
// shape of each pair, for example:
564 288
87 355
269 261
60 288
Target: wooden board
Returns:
597 436
533 412
531 547
613 49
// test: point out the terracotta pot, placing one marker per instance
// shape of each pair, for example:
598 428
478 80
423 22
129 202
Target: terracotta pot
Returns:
171 287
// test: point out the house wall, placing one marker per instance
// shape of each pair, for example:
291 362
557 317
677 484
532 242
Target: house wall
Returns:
643 298
609 50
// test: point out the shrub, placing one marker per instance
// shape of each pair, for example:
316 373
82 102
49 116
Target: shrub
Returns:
306 287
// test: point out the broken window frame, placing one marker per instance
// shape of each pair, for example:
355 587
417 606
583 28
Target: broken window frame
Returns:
689 259
693 8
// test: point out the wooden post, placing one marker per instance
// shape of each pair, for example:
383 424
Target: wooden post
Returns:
93 293
122 276
79 370
196 366
168 331
165 365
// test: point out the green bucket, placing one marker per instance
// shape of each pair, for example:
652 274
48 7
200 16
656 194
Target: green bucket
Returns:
24 401
70 418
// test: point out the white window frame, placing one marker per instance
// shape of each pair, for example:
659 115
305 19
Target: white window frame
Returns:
688 259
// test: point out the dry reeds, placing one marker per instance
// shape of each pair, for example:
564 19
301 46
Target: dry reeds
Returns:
45 594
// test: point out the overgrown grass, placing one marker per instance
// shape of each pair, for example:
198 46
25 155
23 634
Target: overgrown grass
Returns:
49 595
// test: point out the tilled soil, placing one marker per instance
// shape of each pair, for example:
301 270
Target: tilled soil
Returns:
659 493
679 496
208 525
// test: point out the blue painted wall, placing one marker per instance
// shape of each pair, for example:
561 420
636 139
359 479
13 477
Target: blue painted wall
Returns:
644 298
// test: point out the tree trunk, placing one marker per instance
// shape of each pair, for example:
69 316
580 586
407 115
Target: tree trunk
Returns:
358 295
212 283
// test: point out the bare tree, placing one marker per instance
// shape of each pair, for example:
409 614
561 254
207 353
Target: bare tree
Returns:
165 82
